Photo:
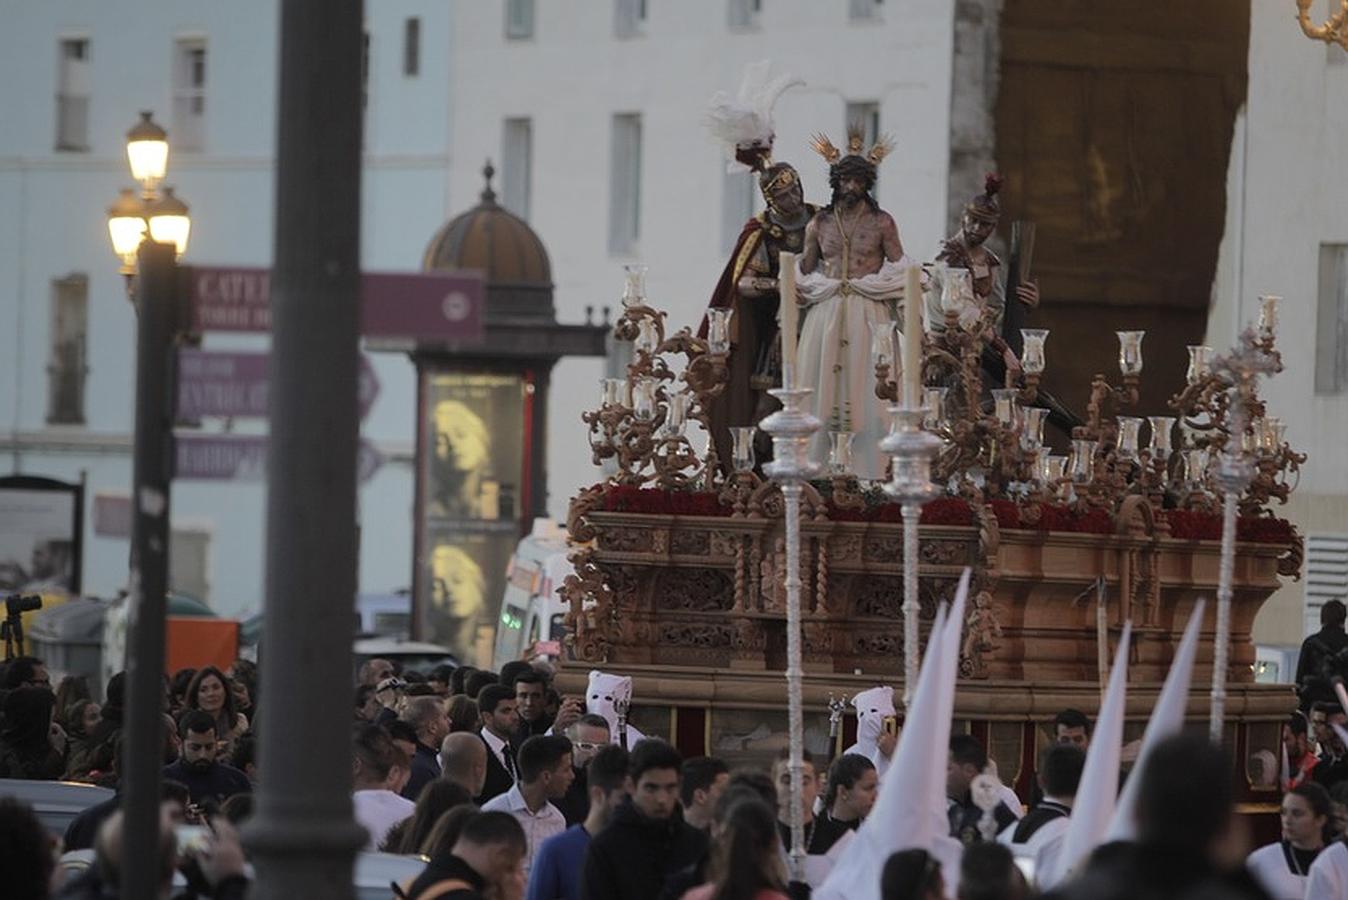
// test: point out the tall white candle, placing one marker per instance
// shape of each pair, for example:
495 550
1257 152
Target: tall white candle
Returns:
786 279
912 338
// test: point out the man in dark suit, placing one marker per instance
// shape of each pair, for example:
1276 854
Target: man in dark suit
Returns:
500 722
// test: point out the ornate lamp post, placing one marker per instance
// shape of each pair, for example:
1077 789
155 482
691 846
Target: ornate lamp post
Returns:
791 429
148 234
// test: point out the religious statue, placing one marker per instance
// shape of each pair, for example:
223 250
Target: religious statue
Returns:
851 278
968 250
749 283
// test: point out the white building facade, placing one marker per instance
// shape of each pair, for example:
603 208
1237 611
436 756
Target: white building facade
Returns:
591 112
1287 234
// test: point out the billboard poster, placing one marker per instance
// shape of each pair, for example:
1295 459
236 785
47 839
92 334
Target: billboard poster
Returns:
40 522
471 468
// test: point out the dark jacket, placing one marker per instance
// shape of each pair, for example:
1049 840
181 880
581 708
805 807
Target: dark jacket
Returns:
82 830
425 768
964 817
218 783
575 805
633 856
446 867
498 780
1127 871
1313 674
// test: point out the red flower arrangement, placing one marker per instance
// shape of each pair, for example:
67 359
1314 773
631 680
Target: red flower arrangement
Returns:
624 498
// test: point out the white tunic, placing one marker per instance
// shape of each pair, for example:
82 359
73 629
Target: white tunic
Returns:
834 359
1269 867
1329 874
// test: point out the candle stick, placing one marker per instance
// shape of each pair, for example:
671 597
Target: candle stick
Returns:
912 338
786 280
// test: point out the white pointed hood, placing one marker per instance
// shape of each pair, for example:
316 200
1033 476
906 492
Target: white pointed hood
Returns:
1095 800
1167 720
904 815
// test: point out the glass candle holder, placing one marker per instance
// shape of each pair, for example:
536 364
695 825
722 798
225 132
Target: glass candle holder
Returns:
614 391
643 398
1004 406
1130 352
1200 363
1268 314
1082 463
1032 431
676 415
1052 468
957 289
718 331
1195 467
933 398
840 452
742 447
634 287
647 337
1252 438
1162 428
1274 431
1130 427
1032 359
882 344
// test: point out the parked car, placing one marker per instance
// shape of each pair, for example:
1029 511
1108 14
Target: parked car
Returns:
56 803
417 655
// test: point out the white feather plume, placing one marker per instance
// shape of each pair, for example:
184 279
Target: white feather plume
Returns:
745 120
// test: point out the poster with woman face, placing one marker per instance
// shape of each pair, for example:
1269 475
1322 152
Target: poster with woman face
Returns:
472 470
39 537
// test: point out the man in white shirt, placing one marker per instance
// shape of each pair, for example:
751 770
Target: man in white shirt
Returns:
545 773
378 765
1059 775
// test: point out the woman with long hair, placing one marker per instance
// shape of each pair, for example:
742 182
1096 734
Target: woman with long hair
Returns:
71 690
209 692
1282 868
746 862
437 798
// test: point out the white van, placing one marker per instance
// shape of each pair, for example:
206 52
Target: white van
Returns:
531 610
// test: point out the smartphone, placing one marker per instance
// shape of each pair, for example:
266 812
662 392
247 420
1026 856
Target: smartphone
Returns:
891 725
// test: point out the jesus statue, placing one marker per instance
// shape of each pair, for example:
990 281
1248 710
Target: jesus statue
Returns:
850 285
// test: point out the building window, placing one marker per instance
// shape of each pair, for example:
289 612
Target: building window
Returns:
189 94
864 10
516 162
629 18
190 563
519 24
412 47
624 210
1331 326
738 191
72 95
1326 574
67 363
744 14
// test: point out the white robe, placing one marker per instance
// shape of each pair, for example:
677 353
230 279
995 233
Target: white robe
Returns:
1268 865
1328 879
834 359
871 752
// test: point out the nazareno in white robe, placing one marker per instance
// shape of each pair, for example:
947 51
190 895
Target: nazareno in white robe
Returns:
834 358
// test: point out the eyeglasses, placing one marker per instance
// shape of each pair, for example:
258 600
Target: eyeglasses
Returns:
586 745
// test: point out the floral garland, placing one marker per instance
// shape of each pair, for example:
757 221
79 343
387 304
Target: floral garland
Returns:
878 507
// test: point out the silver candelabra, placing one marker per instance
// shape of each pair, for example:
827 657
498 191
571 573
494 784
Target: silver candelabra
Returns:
912 451
791 429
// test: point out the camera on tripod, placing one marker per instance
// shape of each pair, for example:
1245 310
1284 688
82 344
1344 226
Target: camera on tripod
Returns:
11 629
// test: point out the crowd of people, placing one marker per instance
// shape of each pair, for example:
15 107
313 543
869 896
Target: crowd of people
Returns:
508 790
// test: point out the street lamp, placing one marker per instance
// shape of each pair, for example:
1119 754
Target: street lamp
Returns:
149 233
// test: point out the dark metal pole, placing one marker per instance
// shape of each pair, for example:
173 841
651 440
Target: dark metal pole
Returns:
143 753
303 837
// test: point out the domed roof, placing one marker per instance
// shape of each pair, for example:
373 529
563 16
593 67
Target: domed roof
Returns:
492 240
